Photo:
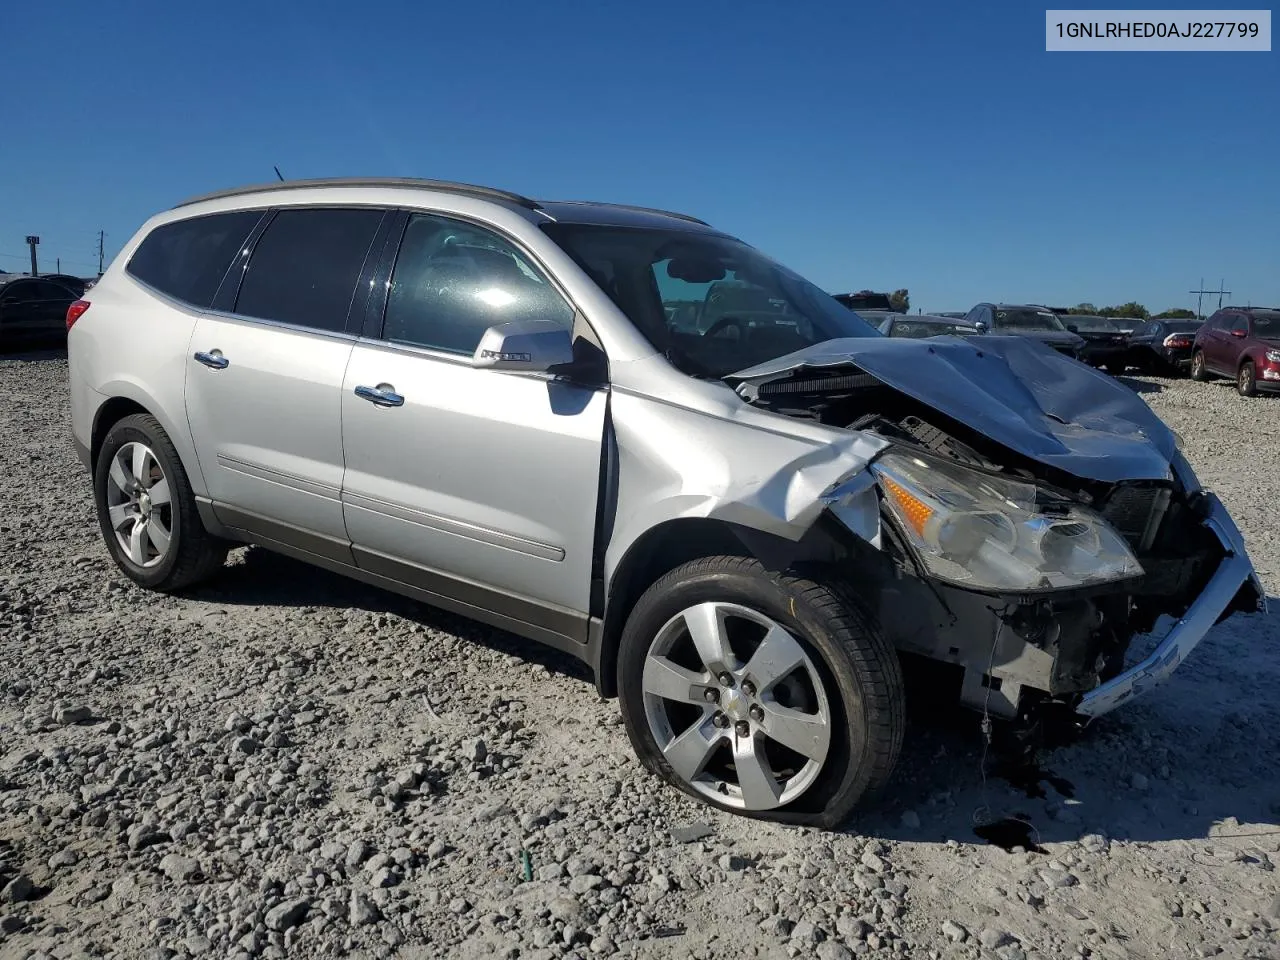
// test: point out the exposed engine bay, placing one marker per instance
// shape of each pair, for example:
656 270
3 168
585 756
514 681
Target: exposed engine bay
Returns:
1056 634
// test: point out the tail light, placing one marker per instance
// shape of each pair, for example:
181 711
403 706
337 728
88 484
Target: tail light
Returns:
76 311
1178 340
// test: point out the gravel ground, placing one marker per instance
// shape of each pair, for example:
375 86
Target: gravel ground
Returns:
285 763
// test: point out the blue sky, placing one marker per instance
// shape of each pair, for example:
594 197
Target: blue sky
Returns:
930 146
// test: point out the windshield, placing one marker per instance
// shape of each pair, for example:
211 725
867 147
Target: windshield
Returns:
1026 318
927 328
1093 324
1266 326
710 303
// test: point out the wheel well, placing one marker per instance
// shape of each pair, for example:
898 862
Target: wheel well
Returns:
109 414
669 545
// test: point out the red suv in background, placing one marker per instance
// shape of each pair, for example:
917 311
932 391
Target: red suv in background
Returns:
1242 343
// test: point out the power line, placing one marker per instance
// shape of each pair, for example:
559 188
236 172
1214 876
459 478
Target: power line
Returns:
1200 297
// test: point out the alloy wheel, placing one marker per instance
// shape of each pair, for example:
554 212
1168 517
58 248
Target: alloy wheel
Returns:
737 706
1244 382
139 504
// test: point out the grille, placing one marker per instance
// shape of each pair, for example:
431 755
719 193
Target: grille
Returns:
1136 511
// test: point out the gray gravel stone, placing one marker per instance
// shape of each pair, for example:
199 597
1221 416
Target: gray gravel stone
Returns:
287 914
362 910
18 890
992 937
179 868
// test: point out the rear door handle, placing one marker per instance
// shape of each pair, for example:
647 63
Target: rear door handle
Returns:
383 395
213 359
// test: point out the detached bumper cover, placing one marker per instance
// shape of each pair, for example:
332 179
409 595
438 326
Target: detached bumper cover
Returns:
1234 573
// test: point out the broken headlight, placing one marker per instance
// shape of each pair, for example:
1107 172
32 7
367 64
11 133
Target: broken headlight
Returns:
989 532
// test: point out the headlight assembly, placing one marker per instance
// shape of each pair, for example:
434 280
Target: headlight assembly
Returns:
1273 356
992 533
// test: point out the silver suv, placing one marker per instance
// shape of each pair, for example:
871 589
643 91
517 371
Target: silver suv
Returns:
623 433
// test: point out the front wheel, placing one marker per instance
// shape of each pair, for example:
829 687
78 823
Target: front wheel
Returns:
764 694
147 511
1198 369
1246 383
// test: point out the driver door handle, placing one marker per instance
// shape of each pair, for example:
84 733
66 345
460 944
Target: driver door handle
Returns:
383 395
213 359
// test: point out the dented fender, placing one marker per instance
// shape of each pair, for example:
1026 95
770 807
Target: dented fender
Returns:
675 462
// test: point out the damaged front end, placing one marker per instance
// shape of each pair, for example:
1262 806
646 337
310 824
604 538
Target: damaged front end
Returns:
1031 521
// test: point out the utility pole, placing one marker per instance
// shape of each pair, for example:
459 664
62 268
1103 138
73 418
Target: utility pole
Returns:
102 234
1200 297
32 241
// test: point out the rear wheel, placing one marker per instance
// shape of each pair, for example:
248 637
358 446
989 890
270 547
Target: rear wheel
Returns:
1198 369
147 511
1246 384
764 694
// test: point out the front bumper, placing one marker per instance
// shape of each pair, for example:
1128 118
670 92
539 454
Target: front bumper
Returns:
1234 573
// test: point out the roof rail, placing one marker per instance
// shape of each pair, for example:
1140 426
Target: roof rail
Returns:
465 189
636 209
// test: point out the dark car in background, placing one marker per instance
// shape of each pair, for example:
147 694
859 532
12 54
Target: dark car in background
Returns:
866 300
1161 346
923 325
1242 343
1105 340
33 311
1026 320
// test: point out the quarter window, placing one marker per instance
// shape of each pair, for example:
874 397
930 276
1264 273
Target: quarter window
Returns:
188 258
305 267
452 281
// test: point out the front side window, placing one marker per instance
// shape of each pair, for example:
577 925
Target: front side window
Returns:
305 267
187 259
710 303
452 281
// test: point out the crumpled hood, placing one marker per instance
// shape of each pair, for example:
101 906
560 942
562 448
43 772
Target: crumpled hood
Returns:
1015 390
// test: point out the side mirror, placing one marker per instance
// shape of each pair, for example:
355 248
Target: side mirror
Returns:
530 346
1238 333
980 327
1073 328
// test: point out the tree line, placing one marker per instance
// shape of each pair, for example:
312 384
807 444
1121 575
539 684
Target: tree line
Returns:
1131 311
901 301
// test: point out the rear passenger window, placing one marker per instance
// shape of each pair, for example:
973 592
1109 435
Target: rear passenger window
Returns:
452 281
305 267
188 258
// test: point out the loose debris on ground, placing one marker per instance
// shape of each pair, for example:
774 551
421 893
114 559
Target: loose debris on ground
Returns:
284 763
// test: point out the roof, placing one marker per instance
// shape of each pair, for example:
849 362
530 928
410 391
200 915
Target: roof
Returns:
1254 309
573 211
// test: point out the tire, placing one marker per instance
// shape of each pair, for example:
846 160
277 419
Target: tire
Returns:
1199 371
1246 380
847 675
188 554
